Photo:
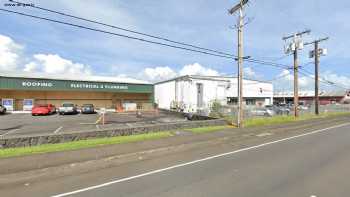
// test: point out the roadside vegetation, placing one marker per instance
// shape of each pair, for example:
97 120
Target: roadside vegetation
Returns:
47 148
255 122
208 129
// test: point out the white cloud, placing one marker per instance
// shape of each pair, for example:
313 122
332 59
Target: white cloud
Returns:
54 64
286 79
197 69
158 73
340 80
9 53
163 73
30 67
249 72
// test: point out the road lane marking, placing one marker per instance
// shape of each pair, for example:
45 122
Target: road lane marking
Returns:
264 134
87 123
9 132
58 130
196 161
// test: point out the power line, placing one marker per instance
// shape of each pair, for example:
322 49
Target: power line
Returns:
274 59
115 34
125 29
224 55
144 40
323 80
153 36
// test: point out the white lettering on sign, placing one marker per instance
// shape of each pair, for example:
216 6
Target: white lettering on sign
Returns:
36 84
96 86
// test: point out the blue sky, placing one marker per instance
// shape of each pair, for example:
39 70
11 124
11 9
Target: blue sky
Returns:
39 46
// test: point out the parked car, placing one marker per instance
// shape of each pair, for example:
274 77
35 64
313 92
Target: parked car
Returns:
279 110
87 109
263 112
68 108
45 109
303 107
2 109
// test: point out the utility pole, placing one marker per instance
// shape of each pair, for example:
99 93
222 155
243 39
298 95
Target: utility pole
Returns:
239 7
316 53
296 84
293 47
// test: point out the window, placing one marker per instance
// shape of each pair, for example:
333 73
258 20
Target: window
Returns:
232 101
250 102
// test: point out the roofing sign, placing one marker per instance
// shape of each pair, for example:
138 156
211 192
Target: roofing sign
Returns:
51 84
36 84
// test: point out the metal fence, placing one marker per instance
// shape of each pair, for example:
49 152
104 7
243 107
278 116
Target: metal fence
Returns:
253 111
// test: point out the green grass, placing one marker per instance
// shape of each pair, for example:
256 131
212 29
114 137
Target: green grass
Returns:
254 122
208 129
47 148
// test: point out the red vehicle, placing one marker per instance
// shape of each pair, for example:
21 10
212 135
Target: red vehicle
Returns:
43 109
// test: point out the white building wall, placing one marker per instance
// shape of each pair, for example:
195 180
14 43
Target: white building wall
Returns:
212 90
252 89
217 89
164 94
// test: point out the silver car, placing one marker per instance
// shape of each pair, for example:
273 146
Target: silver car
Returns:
68 108
263 112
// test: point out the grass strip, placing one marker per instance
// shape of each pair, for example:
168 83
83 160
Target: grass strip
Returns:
208 129
47 148
264 121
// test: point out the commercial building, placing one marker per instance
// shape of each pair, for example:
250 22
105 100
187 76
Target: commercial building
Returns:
18 92
192 93
308 97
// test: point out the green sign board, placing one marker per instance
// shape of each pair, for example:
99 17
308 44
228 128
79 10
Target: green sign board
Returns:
69 85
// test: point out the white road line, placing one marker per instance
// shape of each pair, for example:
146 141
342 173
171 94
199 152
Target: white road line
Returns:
196 161
11 131
58 130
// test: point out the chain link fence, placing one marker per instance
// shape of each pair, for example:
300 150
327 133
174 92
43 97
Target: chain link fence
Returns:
230 112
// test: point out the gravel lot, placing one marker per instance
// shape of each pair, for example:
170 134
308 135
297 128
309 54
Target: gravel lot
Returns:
26 124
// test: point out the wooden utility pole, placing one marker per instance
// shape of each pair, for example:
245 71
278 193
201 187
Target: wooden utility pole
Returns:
317 82
240 69
296 84
239 7
293 47
316 53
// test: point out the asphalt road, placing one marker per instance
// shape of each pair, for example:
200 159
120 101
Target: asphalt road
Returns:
315 164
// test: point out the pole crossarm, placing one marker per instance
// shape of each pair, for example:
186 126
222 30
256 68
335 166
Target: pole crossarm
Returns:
297 34
319 40
237 7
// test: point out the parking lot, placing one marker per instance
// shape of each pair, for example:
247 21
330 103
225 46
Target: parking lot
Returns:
26 124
